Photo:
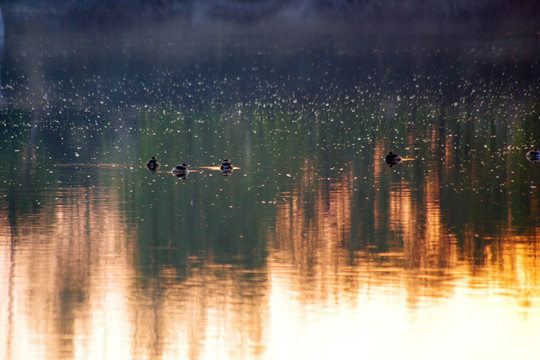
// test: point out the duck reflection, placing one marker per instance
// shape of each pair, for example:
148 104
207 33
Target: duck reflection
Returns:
152 164
226 167
180 171
392 159
534 156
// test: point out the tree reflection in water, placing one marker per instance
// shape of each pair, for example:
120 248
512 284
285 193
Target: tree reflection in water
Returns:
313 246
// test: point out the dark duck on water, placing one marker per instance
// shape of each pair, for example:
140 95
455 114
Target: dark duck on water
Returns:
226 167
180 171
152 164
392 159
534 156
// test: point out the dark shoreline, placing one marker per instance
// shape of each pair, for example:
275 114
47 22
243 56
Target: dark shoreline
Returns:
297 12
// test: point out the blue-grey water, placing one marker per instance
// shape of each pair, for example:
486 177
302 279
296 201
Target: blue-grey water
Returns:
313 247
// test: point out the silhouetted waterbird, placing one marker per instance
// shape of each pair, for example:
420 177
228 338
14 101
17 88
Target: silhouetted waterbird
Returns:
392 159
152 164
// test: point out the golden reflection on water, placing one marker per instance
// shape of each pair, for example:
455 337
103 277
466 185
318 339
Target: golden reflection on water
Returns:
72 287
69 270
312 226
73 292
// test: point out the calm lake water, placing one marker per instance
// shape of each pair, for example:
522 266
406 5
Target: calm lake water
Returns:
313 248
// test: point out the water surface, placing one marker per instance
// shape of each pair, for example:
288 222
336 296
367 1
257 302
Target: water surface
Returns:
313 247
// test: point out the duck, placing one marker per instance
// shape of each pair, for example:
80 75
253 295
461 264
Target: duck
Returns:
180 171
392 159
152 164
534 156
226 166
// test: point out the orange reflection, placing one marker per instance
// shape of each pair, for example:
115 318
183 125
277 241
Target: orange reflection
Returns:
69 268
73 287
74 292
313 225
422 282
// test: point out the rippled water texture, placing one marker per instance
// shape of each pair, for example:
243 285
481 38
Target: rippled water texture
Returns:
313 247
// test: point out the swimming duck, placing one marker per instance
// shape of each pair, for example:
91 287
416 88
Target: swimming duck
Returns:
534 156
152 164
226 166
392 159
180 171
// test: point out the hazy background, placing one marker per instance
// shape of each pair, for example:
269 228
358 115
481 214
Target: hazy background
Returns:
294 11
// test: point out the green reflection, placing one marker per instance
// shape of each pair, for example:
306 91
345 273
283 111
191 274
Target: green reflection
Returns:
477 156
